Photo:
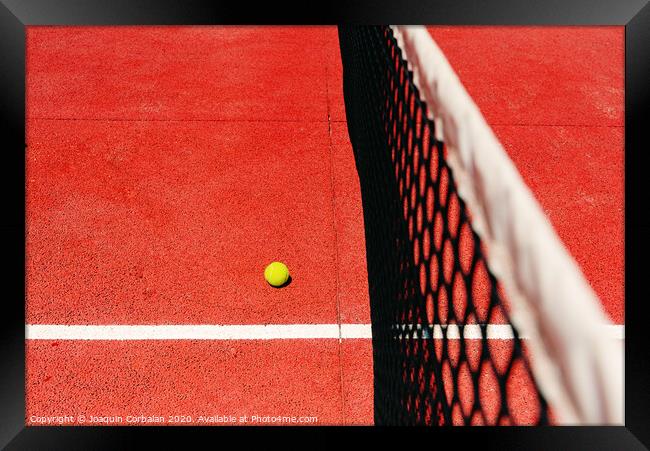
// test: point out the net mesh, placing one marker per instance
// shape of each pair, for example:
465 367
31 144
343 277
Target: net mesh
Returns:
444 349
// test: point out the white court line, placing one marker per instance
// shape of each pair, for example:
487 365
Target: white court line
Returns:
258 332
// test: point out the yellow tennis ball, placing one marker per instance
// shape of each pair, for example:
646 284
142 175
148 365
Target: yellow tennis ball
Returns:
276 274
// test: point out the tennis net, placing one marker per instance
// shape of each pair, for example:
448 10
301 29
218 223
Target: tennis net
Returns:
465 273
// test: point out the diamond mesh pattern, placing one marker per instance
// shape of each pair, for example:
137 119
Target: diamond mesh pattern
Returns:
432 295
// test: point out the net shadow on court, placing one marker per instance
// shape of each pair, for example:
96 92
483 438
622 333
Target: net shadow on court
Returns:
432 295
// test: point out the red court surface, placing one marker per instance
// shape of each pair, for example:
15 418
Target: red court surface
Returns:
179 216
166 166
193 378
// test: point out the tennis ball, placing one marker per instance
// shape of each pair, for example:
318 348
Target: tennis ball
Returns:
276 274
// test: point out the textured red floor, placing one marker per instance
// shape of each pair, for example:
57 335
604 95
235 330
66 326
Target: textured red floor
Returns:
174 222
540 75
180 73
351 247
586 204
167 165
186 378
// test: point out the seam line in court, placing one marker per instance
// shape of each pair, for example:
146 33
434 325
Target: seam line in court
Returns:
308 121
269 332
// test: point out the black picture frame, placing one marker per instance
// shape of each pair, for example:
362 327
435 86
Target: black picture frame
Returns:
15 15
